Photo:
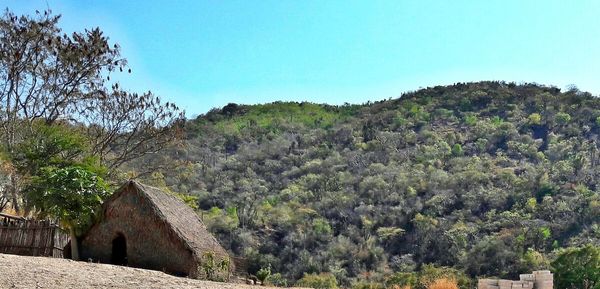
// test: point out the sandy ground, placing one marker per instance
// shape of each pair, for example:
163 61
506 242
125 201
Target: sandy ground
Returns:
41 272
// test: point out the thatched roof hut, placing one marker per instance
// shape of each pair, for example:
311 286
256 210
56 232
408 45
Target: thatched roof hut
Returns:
142 226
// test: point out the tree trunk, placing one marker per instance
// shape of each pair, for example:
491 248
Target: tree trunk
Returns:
74 245
14 193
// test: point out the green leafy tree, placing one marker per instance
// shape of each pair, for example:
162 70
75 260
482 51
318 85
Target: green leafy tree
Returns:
50 145
578 268
73 195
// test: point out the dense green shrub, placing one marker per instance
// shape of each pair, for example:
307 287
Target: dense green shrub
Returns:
577 268
318 281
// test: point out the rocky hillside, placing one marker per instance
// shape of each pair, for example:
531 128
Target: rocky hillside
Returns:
487 178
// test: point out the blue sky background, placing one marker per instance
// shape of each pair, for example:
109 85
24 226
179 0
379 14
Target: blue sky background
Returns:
205 54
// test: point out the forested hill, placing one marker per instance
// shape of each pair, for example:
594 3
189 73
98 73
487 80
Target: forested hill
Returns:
489 178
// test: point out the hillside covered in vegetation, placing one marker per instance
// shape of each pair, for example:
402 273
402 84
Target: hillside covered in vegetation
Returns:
487 179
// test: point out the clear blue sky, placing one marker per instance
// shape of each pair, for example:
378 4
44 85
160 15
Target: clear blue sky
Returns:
204 54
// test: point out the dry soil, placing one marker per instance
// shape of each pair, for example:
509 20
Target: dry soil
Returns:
41 272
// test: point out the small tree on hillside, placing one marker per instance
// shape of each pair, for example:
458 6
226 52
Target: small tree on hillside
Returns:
72 195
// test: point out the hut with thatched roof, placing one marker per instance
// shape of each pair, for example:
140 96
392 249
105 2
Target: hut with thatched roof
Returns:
142 226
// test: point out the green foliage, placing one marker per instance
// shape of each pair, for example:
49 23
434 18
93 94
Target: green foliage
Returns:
56 146
481 144
277 280
386 233
496 120
320 226
534 260
221 220
577 268
457 150
214 268
429 273
460 170
275 116
402 279
189 200
470 120
71 194
545 231
318 281
535 119
263 274
563 118
367 285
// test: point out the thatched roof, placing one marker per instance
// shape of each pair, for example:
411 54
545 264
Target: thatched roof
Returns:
179 217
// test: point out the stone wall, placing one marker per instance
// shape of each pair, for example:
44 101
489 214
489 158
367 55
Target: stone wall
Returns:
537 280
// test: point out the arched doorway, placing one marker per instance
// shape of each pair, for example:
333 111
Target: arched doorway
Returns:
119 250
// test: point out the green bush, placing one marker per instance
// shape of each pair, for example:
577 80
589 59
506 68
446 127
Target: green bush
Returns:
263 274
470 120
429 273
563 118
277 280
318 281
367 285
457 150
577 268
402 279
214 268
535 119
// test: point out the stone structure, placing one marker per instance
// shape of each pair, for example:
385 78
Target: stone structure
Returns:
537 280
141 226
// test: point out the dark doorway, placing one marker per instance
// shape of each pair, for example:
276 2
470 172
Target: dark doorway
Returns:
119 250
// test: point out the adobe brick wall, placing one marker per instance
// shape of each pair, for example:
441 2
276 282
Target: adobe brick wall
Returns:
150 244
543 280
536 280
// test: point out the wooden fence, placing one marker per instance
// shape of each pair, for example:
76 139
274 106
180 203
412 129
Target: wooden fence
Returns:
20 236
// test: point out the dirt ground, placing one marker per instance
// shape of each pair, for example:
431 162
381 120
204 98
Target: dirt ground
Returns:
41 272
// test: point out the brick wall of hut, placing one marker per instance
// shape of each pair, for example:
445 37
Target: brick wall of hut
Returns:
149 243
